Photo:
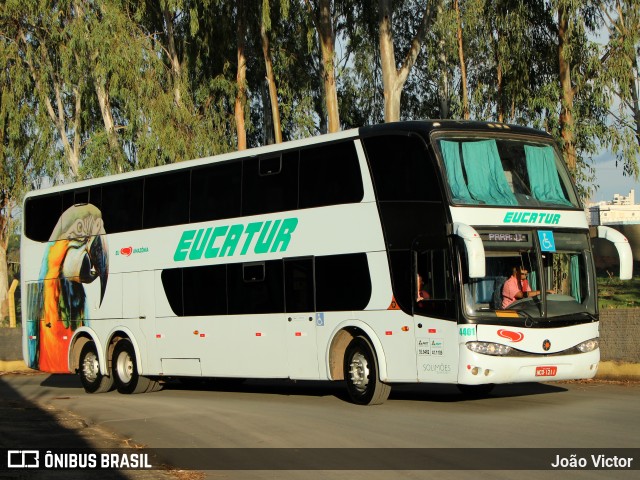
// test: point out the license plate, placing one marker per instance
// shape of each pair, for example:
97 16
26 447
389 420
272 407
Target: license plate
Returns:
546 371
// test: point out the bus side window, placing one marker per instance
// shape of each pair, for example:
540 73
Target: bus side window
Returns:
41 216
166 199
122 206
343 282
435 295
299 288
255 287
402 169
215 191
270 183
330 175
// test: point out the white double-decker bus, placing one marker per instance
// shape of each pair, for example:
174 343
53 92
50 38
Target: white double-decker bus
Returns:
380 255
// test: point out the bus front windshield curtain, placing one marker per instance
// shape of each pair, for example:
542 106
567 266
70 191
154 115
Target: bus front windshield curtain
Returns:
543 175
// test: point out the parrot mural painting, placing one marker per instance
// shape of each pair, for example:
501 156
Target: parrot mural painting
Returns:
76 254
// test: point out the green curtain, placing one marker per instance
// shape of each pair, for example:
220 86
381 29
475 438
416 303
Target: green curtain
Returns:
575 278
451 154
533 280
543 175
486 179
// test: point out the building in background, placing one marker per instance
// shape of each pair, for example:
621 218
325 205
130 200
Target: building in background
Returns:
621 213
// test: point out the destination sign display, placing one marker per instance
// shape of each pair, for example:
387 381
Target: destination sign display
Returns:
505 237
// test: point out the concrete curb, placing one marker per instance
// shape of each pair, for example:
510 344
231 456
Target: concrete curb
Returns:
14 366
612 370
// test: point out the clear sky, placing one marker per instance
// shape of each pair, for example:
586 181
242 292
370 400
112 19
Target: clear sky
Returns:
610 180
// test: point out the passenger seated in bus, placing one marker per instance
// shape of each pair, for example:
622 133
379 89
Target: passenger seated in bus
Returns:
517 287
421 293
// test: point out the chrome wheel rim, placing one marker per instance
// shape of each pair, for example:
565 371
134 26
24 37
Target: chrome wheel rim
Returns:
124 366
359 371
91 367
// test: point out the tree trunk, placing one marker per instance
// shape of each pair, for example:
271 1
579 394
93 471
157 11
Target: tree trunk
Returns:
463 66
327 45
241 79
500 106
499 80
566 110
4 267
635 107
4 282
388 61
271 80
176 67
444 76
109 123
393 79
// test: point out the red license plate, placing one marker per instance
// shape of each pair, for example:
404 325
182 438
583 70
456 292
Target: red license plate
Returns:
546 371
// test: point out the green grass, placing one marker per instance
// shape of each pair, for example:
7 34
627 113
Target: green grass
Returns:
616 293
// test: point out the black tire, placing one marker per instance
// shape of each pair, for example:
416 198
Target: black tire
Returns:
125 371
476 391
361 374
92 380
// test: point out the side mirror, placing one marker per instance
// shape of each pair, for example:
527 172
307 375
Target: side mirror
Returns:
475 249
624 250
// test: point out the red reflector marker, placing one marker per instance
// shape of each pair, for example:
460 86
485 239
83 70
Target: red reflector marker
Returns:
202 334
258 334
432 330
298 334
158 335
388 332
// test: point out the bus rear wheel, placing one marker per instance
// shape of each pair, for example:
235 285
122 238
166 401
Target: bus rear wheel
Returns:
125 370
361 373
92 379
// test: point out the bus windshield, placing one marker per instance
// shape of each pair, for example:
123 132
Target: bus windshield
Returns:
534 274
504 171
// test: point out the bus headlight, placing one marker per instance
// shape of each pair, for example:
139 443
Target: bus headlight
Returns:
588 346
488 348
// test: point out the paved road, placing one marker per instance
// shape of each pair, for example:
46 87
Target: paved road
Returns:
280 414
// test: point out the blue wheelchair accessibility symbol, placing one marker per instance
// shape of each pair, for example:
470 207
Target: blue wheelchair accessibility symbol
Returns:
547 242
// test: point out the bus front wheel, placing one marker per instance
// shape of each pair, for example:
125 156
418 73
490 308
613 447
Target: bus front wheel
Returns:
361 373
92 379
125 370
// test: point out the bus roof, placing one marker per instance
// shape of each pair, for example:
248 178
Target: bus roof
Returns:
423 127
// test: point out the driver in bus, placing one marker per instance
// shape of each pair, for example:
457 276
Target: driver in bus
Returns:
517 287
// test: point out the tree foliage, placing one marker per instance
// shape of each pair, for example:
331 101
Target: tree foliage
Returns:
92 88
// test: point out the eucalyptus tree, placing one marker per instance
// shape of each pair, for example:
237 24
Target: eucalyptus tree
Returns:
240 103
323 14
26 154
43 40
190 99
621 68
394 72
581 115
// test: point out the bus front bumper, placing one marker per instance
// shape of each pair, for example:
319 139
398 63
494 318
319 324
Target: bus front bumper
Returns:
478 369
